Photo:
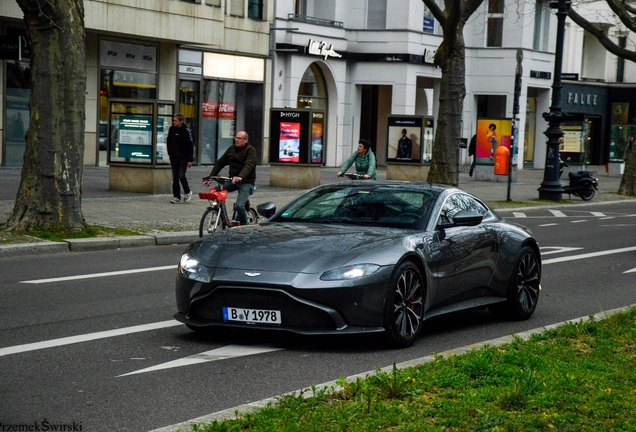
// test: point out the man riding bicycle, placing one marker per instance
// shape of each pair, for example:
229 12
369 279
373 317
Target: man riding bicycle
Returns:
241 157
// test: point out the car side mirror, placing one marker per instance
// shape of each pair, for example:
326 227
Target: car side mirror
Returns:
464 218
266 210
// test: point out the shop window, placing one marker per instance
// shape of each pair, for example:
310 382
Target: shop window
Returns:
300 7
131 126
495 23
218 119
376 15
255 9
18 94
236 8
188 106
312 92
594 58
490 106
620 61
541 25
128 84
428 25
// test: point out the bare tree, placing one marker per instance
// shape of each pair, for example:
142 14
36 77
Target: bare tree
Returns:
450 57
625 14
50 188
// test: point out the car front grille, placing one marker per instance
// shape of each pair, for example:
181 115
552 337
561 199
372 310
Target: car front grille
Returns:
294 313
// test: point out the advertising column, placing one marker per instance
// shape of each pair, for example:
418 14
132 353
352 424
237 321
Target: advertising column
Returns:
296 147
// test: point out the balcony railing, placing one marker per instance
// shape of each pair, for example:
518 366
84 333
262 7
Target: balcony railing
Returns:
312 20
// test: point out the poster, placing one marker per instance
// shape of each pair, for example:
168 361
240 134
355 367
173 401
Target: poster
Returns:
492 133
317 134
135 137
289 142
405 139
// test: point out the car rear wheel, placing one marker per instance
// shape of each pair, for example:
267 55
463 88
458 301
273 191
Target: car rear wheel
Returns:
523 289
404 307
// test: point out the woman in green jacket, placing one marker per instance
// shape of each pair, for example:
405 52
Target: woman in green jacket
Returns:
364 160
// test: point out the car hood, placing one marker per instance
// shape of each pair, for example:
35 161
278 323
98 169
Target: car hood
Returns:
300 247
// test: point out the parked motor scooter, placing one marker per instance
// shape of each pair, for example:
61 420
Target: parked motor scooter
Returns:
583 184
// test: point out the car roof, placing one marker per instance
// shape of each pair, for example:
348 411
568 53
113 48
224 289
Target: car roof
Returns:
406 185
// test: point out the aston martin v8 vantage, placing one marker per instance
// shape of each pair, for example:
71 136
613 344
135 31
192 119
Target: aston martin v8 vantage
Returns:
361 257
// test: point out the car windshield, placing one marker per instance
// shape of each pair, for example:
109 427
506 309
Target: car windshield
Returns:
375 205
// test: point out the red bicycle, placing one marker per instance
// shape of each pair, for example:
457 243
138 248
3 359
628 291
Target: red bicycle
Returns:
216 215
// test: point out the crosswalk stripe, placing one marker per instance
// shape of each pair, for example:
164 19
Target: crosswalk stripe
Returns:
519 214
598 214
557 213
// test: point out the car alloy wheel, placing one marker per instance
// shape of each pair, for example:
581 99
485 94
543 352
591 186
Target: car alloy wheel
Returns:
523 289
404 307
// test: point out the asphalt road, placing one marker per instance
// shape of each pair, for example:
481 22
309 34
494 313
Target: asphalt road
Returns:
71 349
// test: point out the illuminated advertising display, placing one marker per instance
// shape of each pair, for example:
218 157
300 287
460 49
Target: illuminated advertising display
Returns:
297 136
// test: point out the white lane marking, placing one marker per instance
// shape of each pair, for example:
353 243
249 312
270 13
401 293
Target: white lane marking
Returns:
557 249
557 213
550 224
96 275
630 271
598 214
607 218
223 353
86 337
589 255
578 221
519 215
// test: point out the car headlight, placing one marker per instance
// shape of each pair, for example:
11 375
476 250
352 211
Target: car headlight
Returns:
350 272
188 264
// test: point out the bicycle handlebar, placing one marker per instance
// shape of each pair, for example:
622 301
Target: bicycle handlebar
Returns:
218 179
353 176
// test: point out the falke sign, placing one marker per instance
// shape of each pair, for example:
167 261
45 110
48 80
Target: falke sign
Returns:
319 48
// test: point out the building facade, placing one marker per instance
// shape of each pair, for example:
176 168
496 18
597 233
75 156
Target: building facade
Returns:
599 94
207 59
366 62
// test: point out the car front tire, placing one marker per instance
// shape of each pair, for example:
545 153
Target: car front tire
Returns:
404 307
523 290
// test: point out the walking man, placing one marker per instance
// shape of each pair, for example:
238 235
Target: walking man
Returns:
181 153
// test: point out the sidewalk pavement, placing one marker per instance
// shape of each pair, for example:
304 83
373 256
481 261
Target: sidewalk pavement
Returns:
164 223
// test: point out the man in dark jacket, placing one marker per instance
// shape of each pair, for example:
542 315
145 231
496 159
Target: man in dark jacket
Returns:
181 152
241 157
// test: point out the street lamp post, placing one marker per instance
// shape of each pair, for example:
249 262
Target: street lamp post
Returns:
551 186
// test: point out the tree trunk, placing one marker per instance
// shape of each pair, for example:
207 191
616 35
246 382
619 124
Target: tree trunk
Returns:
50 189
450 57
445 160
628 182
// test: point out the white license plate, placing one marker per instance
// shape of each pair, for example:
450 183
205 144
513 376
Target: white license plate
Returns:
251 315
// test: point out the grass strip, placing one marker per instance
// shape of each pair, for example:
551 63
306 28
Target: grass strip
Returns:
578 377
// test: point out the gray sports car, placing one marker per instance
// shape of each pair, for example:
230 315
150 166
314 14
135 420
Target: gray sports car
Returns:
361 257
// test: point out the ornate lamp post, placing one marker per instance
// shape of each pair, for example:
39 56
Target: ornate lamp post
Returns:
551 186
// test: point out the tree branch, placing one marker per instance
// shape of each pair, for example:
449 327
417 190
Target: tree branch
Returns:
601 36
436 11
620 9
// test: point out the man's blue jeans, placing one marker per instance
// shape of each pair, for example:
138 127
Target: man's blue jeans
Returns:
244 192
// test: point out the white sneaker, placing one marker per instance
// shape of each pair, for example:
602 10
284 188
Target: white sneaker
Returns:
175 200
188 196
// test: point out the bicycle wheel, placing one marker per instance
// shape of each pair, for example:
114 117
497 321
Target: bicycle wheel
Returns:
252 217
210 221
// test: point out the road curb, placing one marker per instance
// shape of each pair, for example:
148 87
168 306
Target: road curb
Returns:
233 413
38 248
98 243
